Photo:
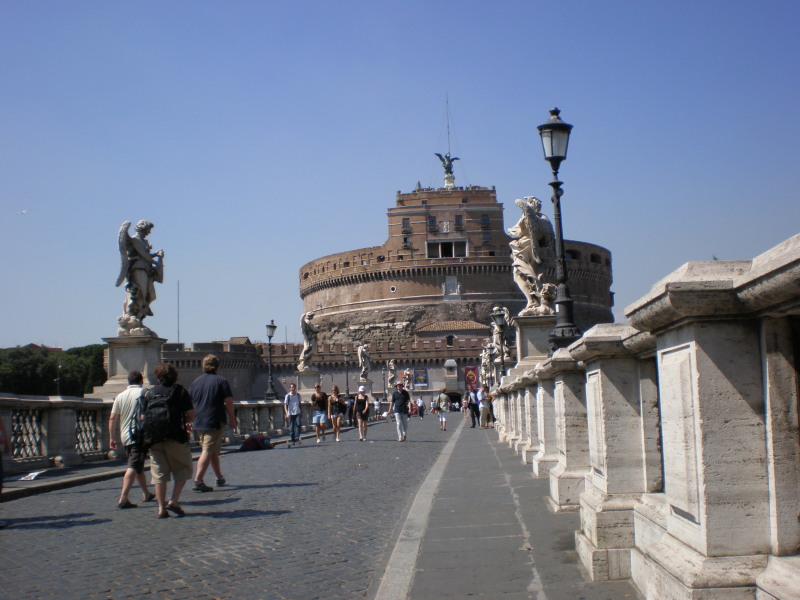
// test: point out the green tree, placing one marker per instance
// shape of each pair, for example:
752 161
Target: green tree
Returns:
32 371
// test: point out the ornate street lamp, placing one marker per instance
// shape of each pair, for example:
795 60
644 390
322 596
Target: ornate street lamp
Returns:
271 393
347 373
555 139
499 318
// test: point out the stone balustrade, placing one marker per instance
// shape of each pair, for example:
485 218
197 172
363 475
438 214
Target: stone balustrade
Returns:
62 431
677 434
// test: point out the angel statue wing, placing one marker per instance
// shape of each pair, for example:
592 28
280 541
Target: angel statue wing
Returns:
124 245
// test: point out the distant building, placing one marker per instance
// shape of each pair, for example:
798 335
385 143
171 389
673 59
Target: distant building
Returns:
423 297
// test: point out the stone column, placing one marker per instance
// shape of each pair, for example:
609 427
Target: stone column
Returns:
709 533
618 449
547 455
531 435
567 477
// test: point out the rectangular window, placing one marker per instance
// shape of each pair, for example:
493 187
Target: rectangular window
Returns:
433 249
460 249
406 225
486 237
459 225
484 221
447 249
431 223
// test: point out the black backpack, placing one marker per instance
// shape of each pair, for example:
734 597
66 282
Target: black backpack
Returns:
152 420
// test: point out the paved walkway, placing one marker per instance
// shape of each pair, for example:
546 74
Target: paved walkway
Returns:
444 515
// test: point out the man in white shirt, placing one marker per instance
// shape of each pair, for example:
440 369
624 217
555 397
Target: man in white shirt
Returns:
121 414
291 407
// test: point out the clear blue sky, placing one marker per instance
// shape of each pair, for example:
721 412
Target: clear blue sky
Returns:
260 135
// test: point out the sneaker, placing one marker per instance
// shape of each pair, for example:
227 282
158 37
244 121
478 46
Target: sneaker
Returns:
319 441
220 481
200 486
337 439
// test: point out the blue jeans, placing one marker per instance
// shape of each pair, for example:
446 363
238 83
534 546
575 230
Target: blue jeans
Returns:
294 427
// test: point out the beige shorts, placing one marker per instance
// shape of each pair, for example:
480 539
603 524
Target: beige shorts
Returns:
210 440
170 458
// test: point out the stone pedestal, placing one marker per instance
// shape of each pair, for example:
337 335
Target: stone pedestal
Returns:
533 345
622 417
712 536
367 383
547 455
126 354
568 476
530 427
306 380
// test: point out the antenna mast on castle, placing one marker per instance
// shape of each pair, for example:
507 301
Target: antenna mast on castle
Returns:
447 160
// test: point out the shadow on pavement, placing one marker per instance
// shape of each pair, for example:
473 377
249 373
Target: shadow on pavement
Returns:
239 514
54 521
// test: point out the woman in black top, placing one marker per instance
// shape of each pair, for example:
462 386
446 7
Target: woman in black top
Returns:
361 410
337 406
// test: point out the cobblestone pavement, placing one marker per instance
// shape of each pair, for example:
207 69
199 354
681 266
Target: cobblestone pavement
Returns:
311 521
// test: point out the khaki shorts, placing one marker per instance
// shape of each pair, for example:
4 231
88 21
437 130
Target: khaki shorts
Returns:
210 440
170 458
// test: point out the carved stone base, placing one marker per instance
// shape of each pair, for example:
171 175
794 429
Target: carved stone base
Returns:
126 354
664 567
306 380
566 486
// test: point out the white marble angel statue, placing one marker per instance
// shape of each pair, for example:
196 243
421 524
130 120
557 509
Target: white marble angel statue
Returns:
533 238
141 269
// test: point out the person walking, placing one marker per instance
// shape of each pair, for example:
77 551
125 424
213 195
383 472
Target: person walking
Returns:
319 402
421 407
212 398
291 407
399 407
483 406
474 402
361 410
442 406
171 457
122 414
337 406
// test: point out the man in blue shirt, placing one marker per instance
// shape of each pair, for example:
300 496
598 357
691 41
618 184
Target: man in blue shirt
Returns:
212 398
291 407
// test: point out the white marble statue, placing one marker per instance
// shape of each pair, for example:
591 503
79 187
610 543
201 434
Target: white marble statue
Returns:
141 269
533 237
364 360
487 370
498 335
392 366
309 331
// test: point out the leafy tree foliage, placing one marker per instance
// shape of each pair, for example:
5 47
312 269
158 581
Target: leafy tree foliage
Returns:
35 371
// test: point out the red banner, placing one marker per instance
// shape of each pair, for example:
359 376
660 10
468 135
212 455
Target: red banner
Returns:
471 378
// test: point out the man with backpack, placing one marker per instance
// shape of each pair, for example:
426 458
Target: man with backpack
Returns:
122 413
167 416
212 398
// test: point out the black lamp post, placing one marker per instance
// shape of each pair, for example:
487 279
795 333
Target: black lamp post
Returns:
555 139
347 373
271 393
499 318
